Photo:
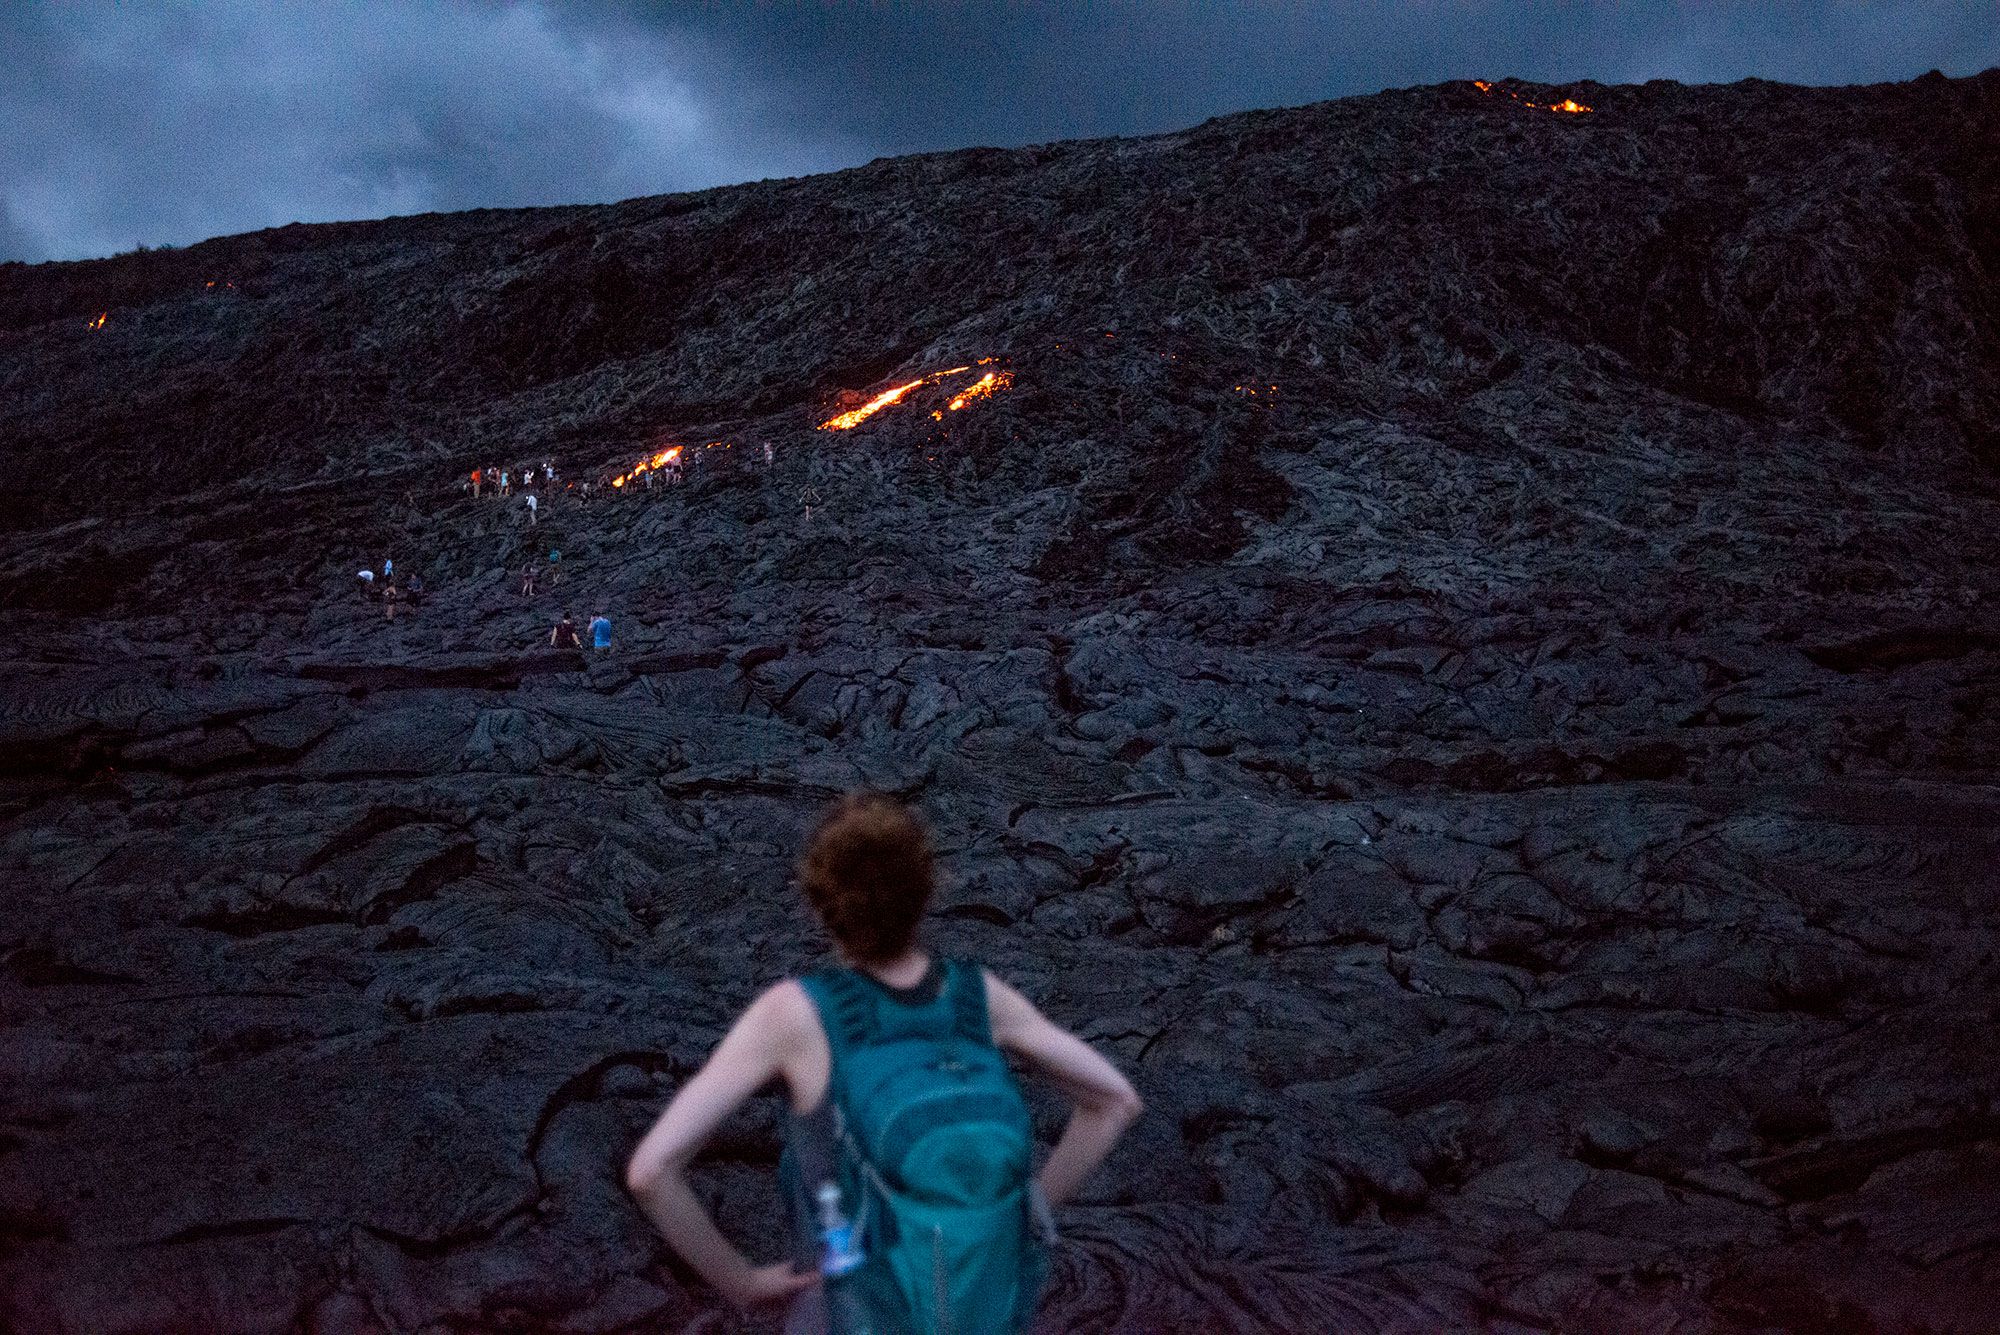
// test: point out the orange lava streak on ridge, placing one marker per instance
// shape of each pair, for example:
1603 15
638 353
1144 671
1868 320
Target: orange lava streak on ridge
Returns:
847 421
984 387
98 323
670 455
1568 104
979 389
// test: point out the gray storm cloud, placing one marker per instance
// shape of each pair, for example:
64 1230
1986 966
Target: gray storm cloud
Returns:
168 123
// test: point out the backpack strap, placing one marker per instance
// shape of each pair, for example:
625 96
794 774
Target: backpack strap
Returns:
850 1008
846 1011
965 981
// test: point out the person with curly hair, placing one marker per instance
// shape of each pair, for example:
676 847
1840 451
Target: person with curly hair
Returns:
908 1168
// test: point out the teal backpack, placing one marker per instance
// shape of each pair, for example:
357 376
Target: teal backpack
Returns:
935 1162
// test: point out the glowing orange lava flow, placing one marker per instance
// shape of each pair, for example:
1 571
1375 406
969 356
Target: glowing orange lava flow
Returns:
98 323
978 389
1568 104
855 417
984 387
665 458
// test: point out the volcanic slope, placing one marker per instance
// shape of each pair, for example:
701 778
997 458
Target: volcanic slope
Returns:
1463 653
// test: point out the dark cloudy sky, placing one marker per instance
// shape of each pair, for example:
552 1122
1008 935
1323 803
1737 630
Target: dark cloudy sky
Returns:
164 122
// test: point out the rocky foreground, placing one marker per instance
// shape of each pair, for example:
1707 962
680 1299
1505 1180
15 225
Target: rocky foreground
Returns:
1465 657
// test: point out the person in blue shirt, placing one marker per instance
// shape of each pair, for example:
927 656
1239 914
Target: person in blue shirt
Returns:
600 632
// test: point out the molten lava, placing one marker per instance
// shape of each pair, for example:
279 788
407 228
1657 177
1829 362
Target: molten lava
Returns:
981 388
847 421
98 323
1568 104
666 458
987 385
984 387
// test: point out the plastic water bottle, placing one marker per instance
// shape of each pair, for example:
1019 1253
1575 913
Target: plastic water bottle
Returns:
838 1252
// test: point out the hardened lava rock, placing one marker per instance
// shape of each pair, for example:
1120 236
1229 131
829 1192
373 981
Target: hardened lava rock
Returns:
1458 644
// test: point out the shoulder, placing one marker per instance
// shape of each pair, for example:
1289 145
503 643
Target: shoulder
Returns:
1006 1008
782 1012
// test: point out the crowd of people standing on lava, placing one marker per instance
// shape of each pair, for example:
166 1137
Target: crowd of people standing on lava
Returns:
533 483
536 481
406 593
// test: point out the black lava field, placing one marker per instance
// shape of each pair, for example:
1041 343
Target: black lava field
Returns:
1458 644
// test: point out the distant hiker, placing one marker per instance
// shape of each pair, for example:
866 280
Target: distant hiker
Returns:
528 580
388 568
909 1150
475 483
367 578
600 632
555 565
564 635
413 592
532 503
528 476
505 488
549 470
647 478
390 596
769 456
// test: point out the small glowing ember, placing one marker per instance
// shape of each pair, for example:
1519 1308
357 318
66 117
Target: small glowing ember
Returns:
1568 104
98 323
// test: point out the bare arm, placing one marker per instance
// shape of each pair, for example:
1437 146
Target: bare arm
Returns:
746 1060
1104 1101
